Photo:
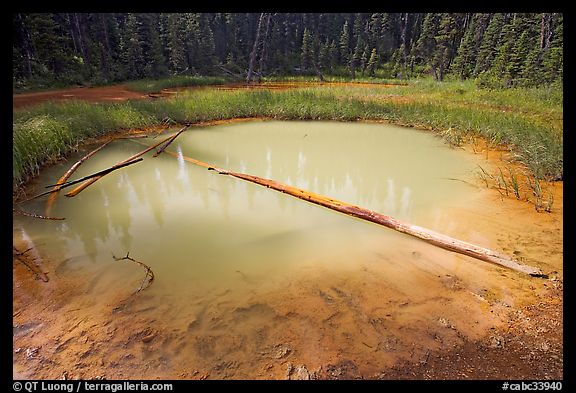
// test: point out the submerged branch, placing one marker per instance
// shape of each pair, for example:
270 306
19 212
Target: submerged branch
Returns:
18 211
148 278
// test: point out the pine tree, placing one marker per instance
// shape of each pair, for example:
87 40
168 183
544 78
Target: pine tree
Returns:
425 49
307 53
355 59
49 45
372 63
517 48
324 60
333 54
490 42
206 45
444 49
131 48
465 60
345 44
501 64
552 58
154 62
175 43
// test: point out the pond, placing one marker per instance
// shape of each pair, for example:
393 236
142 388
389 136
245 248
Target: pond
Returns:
250 282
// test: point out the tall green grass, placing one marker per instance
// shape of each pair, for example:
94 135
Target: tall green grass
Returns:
50 131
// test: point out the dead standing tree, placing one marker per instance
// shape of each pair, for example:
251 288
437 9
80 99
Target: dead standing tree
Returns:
254 52
263 52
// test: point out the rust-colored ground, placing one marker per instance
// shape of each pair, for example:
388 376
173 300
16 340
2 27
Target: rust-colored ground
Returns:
118 93
93 94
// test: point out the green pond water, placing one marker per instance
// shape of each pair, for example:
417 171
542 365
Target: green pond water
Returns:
194 227
249 282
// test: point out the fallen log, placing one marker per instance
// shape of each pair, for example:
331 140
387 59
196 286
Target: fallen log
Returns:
66 176
81 187
89 177
432 237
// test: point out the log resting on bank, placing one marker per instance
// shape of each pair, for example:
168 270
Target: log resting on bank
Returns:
432 237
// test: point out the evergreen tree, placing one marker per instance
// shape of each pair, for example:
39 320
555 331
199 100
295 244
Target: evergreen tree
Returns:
333 54
175 43
465 59
154 62
356 56
552 58
425 49
324 59
206 45
444 48
521 48
345 44
490 42
501 66
307 54
372 62
131 48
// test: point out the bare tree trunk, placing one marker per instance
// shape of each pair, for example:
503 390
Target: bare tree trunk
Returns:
318 72
263 52
404 39
254 50
27 43
545 30
105 58
85 54
72 32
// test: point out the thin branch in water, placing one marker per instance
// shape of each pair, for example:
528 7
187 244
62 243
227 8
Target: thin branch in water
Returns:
163 147
148 278
22 212
167 121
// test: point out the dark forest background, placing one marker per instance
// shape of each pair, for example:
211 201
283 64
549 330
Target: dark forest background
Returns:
496 49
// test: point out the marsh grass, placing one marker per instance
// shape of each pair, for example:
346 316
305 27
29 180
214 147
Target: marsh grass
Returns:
49 131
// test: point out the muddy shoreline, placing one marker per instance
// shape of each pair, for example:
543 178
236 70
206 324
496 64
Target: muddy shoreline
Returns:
520 338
